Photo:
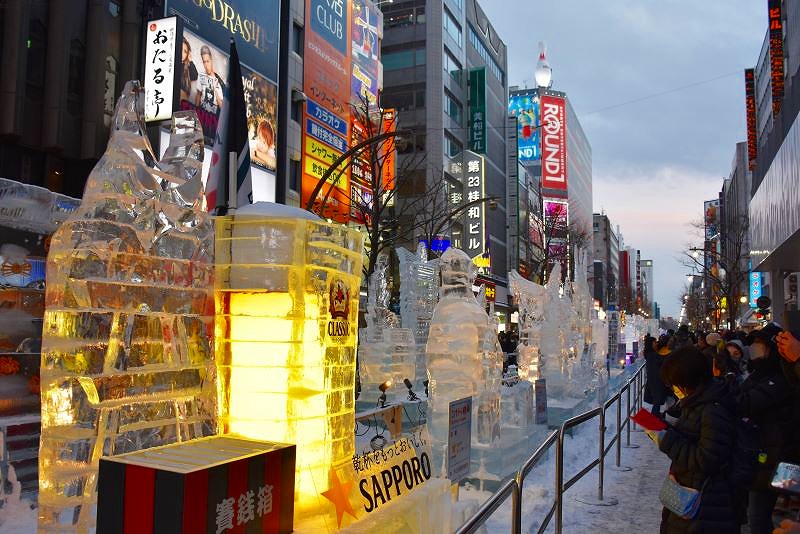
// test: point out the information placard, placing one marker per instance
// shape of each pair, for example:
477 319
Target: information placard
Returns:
459 437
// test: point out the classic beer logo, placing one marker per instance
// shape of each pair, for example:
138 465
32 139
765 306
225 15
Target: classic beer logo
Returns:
339 308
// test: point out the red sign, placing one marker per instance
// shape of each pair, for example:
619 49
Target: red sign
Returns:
750 106
776 53
554 142
326 83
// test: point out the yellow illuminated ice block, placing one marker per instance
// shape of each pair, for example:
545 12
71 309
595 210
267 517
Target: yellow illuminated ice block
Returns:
287 307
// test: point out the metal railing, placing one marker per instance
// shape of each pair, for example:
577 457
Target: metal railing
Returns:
513 487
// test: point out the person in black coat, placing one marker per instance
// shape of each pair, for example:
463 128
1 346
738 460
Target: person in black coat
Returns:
654 391
700 445
765 398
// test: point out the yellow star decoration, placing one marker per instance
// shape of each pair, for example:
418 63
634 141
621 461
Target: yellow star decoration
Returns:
339 495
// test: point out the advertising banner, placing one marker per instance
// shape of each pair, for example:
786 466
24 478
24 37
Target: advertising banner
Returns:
525 107
477 110
776 53
160 68
750 106
367 23
253 23
208 27
554 142
203 87
389 169
327 85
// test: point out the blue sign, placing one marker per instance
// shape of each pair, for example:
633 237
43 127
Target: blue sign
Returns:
325 135
439 244
525 107
326 117
329 21
755 284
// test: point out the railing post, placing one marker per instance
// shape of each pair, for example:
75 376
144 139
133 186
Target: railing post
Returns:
619 429
601 466
628 407
560 482
516 506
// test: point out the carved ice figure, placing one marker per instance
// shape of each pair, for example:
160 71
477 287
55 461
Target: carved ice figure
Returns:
419 292
386 352
127 362
531 299
463 355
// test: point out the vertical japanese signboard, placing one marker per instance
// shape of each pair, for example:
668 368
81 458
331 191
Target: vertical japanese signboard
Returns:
474 240
554 142
750 106
327 86
776 53
161 59
459 439
477 110
755 288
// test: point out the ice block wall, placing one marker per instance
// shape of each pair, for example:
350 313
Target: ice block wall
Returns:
286 292
127 361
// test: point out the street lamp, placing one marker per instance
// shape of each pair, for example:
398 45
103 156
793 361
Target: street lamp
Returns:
743 300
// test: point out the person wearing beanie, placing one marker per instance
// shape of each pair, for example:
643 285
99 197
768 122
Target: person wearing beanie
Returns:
765 398
731 361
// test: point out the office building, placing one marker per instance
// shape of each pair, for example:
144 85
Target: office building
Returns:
606 261
444 71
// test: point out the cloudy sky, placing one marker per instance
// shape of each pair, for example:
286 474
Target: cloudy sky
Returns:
658 87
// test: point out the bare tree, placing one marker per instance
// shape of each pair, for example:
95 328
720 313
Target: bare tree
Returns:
723 269
560 240
389 196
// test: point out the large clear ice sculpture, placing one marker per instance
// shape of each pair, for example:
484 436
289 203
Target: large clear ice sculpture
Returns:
419 293
127 361
386 353
463 356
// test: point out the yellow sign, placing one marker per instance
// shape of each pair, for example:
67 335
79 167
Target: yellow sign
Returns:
317 169
320 151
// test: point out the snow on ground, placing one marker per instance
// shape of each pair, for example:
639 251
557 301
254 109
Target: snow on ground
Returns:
637 490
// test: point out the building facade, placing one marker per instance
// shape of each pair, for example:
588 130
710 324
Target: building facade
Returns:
555 149
606 261
774 219
434 55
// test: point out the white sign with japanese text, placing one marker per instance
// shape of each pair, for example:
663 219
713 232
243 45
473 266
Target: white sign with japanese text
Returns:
159 68
474 241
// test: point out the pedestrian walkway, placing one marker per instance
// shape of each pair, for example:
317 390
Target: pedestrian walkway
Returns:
639 509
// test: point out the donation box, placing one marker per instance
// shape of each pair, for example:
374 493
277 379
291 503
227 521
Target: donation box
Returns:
219 484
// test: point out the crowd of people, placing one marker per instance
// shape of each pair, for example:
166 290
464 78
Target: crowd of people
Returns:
731 401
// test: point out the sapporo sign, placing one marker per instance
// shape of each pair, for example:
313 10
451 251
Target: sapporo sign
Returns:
389 473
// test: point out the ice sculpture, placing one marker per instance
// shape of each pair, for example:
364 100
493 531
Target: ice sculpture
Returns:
419 292
462 355
553 349
387 354
286 292
530 298
127 362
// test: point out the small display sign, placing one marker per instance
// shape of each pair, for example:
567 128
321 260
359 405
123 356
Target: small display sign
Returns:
459 439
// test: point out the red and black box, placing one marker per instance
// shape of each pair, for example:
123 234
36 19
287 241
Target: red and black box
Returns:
210 485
